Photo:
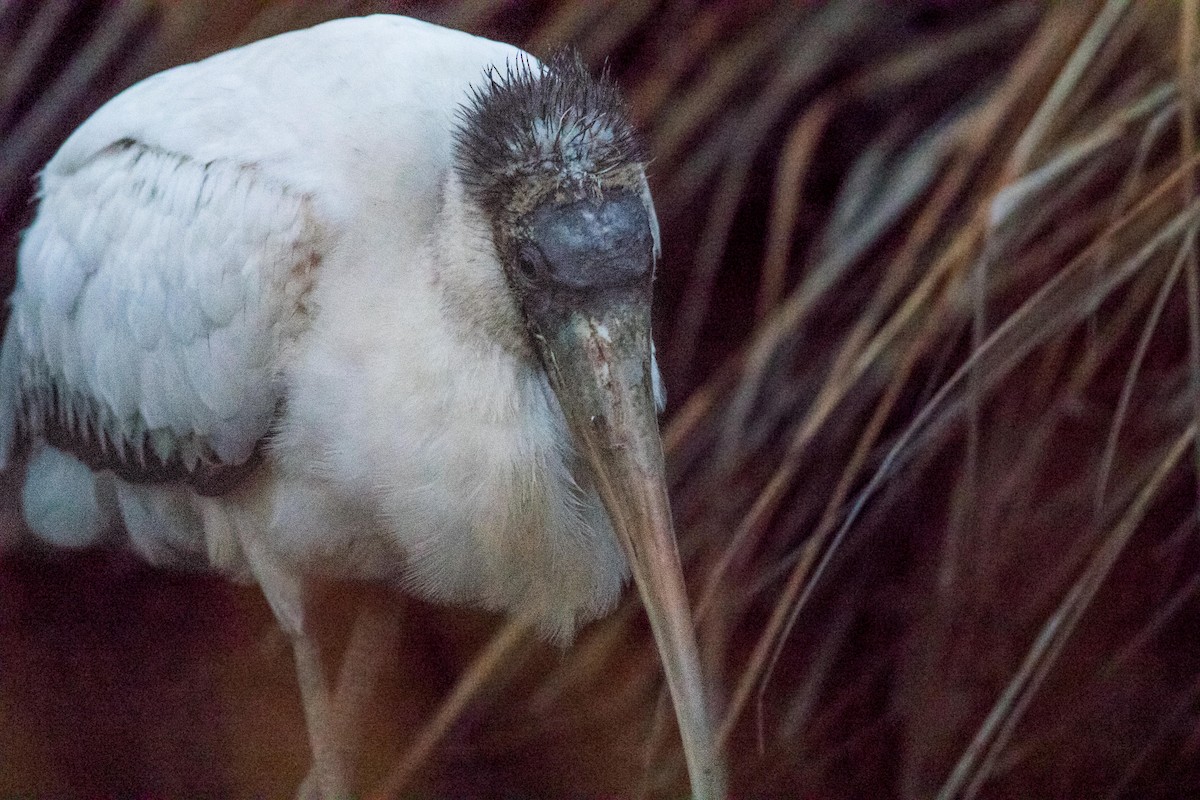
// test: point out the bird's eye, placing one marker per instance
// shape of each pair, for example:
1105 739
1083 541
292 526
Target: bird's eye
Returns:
531 263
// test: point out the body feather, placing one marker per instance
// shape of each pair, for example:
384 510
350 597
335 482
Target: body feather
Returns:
268 254
135 351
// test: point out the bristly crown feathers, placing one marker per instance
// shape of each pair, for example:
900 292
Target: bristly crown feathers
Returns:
538 132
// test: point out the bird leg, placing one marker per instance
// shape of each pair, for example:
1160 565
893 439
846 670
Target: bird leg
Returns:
368 654
329 755
284 591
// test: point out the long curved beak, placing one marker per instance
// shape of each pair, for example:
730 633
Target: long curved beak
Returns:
599 365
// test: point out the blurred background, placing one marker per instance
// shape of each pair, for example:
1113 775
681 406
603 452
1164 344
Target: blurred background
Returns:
929 316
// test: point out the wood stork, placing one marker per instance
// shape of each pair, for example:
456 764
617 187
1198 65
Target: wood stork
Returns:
369 299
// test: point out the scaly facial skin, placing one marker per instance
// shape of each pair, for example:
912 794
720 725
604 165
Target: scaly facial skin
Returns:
581 253
583 271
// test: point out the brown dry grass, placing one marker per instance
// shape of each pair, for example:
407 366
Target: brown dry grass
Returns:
931 321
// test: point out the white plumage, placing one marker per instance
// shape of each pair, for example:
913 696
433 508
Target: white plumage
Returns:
270 254
257 221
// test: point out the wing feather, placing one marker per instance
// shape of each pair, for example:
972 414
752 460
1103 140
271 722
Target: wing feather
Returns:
150 307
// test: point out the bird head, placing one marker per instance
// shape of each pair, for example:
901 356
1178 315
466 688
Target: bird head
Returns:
550 157
548 154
